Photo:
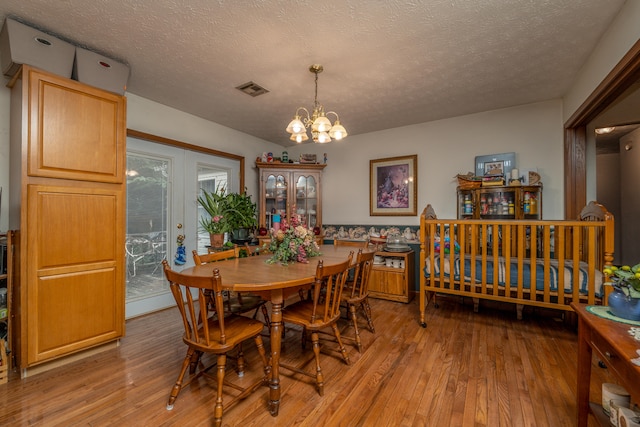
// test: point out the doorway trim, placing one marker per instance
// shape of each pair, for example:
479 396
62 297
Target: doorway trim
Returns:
175 143
620 78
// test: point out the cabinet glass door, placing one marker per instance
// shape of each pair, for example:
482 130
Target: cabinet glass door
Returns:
498 204
275 198
307 199
465 204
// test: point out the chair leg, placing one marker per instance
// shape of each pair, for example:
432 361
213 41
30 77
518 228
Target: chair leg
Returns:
354 320
343 349
265 314
367 313
263 355
316 350
222 361
240 366
175 390
195 359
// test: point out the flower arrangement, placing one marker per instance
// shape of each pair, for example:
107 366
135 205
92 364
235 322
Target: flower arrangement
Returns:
293 242
625 277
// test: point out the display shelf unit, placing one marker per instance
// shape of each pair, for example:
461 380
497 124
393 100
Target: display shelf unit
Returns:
500 202
6 275
393 283
290 188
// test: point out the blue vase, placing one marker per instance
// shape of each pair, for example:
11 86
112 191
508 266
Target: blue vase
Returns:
621 305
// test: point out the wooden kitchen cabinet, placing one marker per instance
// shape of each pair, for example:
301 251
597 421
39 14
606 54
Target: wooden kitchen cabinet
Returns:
288 188
68 157
393 283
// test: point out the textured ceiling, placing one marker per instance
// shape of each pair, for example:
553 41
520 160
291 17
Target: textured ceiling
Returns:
386 63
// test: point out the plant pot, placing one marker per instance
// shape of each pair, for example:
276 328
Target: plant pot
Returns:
624 306
241 234
217 240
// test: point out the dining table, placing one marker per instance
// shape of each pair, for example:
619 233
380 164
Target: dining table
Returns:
274 282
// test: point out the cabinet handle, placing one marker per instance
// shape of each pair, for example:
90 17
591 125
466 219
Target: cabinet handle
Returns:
609 355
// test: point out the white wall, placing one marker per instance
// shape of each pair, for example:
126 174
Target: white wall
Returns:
150 117
444 148
623 33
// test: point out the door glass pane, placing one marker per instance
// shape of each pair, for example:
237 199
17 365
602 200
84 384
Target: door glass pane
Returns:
146 239
211 179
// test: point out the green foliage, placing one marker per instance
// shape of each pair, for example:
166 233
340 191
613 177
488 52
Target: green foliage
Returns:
233 211
240 211
214 204
625 276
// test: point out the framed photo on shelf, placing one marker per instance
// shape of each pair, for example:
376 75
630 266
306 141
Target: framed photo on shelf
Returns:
393 186
508 162
495 168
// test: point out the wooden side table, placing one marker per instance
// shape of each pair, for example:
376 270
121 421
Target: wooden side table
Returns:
614 346
393 283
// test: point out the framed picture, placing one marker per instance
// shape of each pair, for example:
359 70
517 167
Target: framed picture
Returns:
393 186
495 168
508 162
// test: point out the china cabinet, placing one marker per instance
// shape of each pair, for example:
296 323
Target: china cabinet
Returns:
288 188
68 208
500 202
392 282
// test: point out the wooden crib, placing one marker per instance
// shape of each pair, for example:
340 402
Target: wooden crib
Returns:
543 263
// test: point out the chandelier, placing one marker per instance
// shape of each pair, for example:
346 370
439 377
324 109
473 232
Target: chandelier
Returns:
322 131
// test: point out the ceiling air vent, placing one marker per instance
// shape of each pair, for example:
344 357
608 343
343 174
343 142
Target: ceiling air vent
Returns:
250 88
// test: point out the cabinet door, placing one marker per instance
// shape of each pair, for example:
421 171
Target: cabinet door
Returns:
388 285
75 131
498 203
466 204
307 197
75 278
276 196
531 202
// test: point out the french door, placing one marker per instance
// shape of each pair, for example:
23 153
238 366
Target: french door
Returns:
163 183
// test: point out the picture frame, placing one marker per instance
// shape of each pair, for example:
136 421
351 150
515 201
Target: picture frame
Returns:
494 168
508 159
393 186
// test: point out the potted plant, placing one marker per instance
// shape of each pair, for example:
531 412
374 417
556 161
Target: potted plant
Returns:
625 300
241 214
217 222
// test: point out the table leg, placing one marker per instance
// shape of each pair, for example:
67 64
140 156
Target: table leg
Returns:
584 372
276 342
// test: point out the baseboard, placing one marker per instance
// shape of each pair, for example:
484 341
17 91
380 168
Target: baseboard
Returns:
46 366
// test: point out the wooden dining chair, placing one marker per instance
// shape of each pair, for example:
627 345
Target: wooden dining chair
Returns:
216 334
320 313
351 243
235 302
356 293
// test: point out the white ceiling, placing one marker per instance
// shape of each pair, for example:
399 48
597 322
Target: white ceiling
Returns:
387 63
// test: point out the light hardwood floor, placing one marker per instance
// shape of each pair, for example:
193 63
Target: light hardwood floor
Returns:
464 369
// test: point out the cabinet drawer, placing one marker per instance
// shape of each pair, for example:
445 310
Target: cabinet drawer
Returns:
610 357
